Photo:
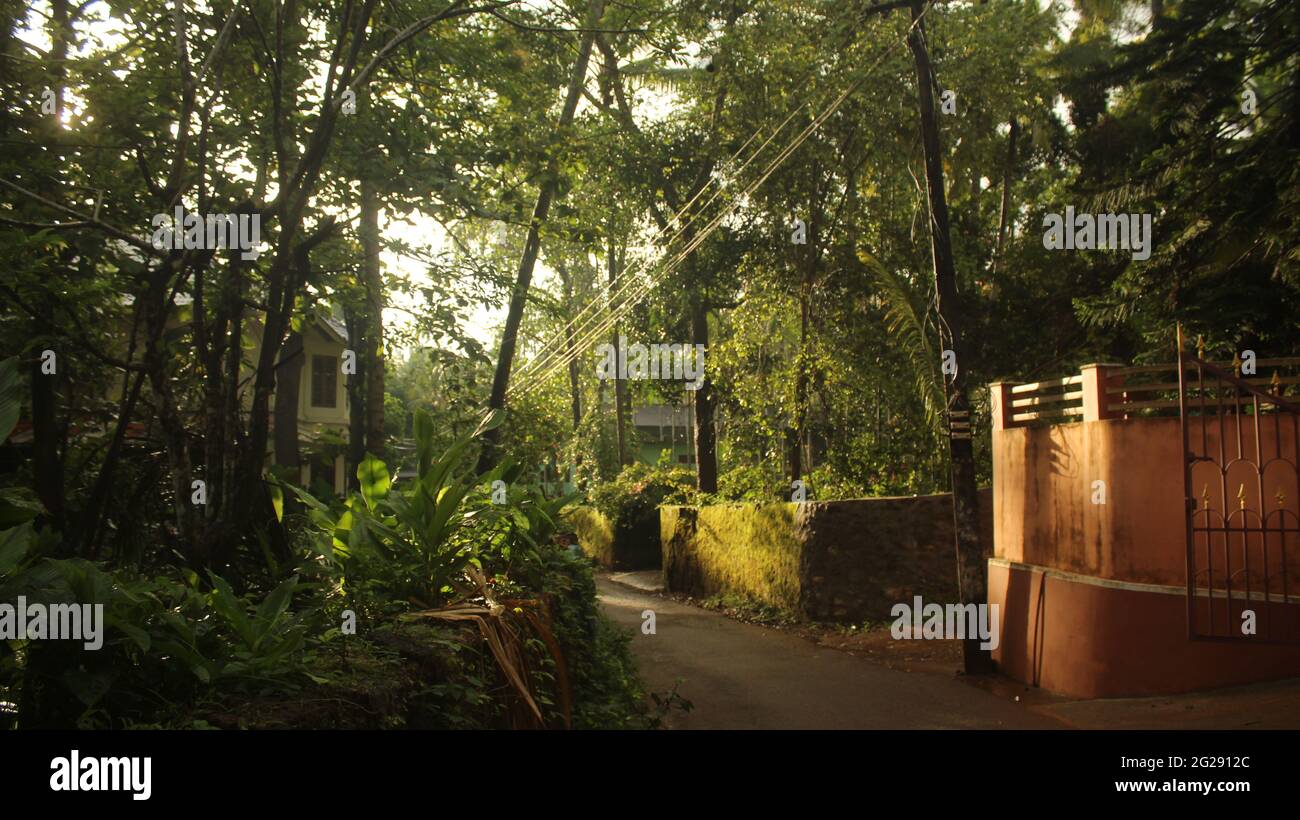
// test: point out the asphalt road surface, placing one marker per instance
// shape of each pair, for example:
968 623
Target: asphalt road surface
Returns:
741 676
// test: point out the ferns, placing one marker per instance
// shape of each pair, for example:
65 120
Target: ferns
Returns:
905 320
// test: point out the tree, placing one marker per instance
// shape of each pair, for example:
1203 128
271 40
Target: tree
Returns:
532 243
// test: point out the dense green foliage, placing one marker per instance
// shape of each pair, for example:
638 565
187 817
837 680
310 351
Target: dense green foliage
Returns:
396 157
181 652
749 551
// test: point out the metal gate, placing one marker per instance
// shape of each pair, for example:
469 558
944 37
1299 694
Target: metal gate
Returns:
1241 447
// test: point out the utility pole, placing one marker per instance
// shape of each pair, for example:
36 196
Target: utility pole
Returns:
971 570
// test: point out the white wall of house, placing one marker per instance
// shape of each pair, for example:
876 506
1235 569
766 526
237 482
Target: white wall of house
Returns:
322 391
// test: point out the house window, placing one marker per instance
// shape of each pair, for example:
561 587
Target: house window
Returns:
324 381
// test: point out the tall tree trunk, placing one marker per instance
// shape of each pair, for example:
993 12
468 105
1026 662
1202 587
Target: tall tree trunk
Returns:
233 424
971 569
288 274
799 431
92 515
165 410
532 244
801 390
706 442
372 340
211 339
47 460
288 381
357 399
600 409
1004 212
575 387
47 463
620 384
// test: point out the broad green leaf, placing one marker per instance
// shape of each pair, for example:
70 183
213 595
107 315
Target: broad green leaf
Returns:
423 426
135 633
277 501
14 544
490 421
18 505
275 603
88 687
231 608
373 475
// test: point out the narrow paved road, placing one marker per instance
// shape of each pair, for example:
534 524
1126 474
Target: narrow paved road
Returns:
741 676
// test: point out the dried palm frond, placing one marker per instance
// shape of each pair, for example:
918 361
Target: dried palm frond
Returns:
493 619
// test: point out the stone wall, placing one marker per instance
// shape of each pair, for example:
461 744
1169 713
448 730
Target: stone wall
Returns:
848 561
594 533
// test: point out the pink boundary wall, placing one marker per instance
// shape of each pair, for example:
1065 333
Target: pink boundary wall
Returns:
1093 596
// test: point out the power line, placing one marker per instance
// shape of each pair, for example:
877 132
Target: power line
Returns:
618 313
575 347
547 355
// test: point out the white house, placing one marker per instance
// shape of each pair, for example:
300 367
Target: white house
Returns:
311 368
313 422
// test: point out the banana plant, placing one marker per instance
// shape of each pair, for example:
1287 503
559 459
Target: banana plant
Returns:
410 538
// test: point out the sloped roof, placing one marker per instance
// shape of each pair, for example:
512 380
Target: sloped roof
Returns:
337 328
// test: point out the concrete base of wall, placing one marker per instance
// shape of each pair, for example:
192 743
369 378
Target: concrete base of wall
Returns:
1094 638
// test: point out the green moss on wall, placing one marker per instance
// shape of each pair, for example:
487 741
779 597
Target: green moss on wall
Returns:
744 549
595 534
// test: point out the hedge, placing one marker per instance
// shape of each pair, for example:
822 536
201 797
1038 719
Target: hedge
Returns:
847 561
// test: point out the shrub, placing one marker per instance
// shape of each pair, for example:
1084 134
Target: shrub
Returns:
594 532
188 650
752 483
631 504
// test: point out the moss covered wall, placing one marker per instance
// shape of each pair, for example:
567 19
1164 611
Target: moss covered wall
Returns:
827 561
595 534
743 549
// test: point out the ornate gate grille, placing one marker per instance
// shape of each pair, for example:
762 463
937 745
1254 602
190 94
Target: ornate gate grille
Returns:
1241 445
